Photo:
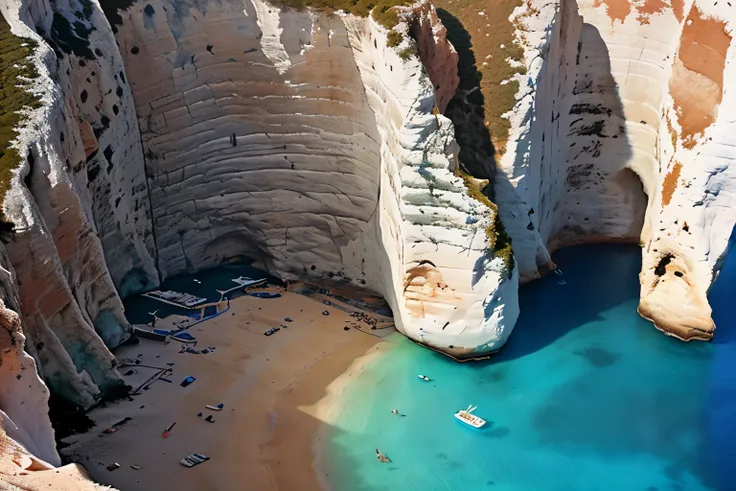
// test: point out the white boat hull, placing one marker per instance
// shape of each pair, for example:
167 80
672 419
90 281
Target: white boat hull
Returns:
470 419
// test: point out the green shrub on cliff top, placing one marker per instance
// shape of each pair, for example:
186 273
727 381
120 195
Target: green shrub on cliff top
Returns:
394 39
15 53
383 11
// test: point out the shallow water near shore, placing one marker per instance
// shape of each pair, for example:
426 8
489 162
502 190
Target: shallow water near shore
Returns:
585 396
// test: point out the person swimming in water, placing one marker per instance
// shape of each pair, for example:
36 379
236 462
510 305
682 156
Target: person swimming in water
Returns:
382 457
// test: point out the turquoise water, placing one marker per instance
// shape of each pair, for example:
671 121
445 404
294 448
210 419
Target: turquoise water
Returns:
586 396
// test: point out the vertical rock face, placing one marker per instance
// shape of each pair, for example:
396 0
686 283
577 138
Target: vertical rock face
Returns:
69 305
92 78
174 137
269 134
630 114
23 396
299 139
444 287
258 137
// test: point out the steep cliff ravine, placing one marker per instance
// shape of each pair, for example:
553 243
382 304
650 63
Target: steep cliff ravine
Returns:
232 173
175 137
623 109
298 139
56 275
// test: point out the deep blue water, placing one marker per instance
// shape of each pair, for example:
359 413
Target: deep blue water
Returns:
585 396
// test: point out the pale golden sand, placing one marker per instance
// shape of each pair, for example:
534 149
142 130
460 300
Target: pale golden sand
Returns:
277 393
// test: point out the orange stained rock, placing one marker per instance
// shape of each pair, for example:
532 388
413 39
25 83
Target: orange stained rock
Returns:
678 7
670 183
617 10
697 78
649 8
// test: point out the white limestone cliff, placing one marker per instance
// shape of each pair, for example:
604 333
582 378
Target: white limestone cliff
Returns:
172 138
621 133
271 134
226 131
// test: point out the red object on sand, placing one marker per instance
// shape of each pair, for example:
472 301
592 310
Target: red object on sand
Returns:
167 431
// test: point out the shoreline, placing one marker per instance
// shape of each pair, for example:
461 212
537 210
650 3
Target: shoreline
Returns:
328 411
280 394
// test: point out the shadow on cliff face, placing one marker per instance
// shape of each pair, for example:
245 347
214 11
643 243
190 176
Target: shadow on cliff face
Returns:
570 165
467 112
572 185
586 139
466 109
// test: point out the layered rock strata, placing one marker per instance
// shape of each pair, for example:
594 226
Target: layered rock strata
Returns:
628 140
207 132
175 137
303 141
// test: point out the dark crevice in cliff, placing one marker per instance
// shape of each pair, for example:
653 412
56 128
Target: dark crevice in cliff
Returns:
467 112
111 8
69 419
147 180
661 268
28 179
466 109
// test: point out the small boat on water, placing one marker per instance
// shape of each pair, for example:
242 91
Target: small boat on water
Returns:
423 377
467 417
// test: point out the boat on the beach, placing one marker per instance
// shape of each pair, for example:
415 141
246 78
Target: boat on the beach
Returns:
144 333
175 298
467 417
265 294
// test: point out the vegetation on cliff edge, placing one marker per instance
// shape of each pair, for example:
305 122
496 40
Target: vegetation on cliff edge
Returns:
485 38
499 243
383 12
15 65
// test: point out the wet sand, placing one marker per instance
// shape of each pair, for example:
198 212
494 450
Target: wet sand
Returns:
277 393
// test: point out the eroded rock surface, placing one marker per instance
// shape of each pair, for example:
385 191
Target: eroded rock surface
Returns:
215 131
174 137
630 141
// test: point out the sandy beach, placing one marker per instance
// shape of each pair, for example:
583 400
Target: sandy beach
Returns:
277 392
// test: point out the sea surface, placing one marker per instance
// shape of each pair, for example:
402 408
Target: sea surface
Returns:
585 396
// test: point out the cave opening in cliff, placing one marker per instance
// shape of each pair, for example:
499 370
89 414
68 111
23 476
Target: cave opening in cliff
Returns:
661 268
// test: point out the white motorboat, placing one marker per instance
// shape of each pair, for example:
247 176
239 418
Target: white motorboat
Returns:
467 417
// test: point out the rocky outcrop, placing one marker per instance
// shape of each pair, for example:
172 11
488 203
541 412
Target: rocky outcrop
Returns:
234 173
172 138
629 142
23 396
212 131
70 309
